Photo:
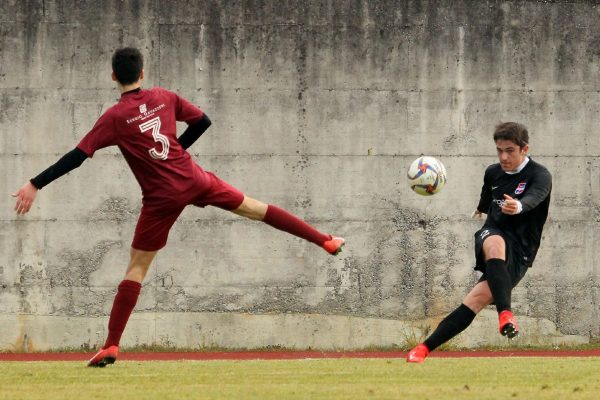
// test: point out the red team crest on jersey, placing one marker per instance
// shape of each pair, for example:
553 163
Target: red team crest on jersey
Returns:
520 188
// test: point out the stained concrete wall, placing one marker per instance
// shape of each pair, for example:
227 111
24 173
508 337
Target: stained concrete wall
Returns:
317 106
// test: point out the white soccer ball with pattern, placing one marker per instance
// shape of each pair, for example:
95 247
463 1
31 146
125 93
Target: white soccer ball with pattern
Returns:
426 176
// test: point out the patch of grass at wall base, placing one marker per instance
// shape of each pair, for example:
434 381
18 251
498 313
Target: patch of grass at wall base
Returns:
393 348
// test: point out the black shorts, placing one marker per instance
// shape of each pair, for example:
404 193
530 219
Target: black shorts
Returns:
516 263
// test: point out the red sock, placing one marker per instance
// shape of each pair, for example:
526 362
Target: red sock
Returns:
283 220
124 303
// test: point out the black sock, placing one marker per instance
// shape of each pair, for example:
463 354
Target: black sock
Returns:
499 280
456 322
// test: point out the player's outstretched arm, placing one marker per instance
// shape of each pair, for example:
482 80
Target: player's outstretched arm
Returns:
26 195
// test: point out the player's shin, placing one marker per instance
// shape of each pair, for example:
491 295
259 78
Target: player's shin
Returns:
123 305
283 220
500 284
456 322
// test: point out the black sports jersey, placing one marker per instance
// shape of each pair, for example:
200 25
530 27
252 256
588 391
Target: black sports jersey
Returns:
532 187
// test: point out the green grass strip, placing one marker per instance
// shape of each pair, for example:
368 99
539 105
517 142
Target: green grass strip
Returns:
439 379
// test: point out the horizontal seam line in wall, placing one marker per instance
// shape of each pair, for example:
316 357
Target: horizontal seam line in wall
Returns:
152 280
219 221
262 155
394 26
492 90
328 89
253 287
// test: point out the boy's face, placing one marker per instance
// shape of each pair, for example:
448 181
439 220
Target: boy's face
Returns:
510 154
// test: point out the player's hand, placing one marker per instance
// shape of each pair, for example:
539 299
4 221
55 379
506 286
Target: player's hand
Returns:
477 214
25 197
510 206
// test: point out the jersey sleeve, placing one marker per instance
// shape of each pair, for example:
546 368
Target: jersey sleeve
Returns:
538 190
186 111
485 199
103 134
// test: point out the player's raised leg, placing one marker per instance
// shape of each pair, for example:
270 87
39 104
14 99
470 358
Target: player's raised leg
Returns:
125 300
285 221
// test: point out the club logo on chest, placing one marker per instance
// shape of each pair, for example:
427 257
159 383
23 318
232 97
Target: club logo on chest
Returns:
520 188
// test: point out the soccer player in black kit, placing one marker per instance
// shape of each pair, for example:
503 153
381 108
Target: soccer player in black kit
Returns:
515 196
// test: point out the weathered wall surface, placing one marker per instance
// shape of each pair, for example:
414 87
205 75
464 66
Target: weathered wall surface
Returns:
319 107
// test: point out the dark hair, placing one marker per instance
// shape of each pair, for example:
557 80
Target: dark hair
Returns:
512 131
127 64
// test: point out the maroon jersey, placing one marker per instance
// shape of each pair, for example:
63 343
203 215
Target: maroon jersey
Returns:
143 125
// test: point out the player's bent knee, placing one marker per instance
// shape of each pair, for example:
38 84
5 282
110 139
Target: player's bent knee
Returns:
479 297
476 304
494 247
251 208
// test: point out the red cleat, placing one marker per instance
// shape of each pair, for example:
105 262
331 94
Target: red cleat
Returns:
507 325
418 354
104 357
334 245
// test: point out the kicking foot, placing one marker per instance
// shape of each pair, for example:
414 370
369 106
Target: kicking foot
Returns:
507 324
104 357
418 354
334 245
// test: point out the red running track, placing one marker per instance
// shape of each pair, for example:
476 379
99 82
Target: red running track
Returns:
290 355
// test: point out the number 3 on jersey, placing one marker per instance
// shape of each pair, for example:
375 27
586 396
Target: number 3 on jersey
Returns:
154 125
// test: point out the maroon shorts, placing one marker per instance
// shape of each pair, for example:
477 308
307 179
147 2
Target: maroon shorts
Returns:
155 221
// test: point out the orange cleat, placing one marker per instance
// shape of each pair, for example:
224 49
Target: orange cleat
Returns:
104 357
418 354
507 324
334 245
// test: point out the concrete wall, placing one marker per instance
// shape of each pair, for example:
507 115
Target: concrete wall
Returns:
319 107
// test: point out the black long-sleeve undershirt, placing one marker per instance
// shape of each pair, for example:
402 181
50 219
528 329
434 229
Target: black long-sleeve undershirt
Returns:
65 164
193 132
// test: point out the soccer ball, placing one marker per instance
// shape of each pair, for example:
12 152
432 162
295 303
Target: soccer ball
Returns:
426 176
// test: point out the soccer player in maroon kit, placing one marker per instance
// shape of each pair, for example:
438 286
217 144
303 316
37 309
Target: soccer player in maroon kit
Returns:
143 125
